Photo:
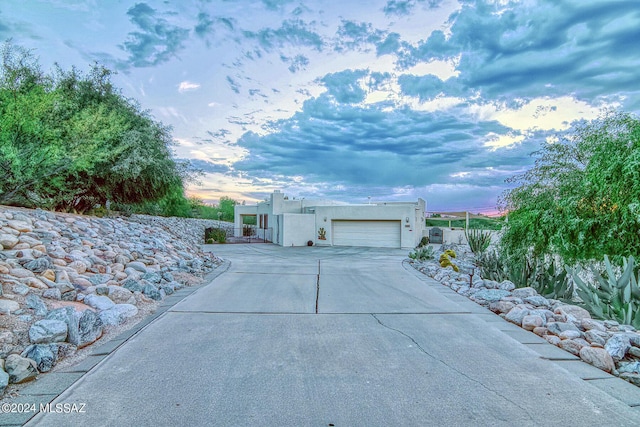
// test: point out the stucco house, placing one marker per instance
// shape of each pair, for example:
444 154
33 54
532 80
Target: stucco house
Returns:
328 223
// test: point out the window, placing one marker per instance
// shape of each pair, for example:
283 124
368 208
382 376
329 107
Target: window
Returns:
266 222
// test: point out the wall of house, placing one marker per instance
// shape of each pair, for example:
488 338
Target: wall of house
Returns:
411 232
298 229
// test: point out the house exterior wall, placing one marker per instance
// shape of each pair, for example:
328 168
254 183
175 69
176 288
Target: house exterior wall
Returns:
298 221
411 231
298 229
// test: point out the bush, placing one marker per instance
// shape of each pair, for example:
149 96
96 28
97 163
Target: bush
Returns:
422 253
423 242
216 234
445 260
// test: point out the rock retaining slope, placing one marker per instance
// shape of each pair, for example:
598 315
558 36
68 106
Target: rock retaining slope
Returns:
605 344
66 278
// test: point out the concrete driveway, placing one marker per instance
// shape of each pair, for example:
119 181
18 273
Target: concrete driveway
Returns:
387 346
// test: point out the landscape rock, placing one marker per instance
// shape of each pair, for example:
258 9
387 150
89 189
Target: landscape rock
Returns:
90 328
45 355
598 357
524 292
558 327
617 346
99 302
35 303
118 314
516 314
530 322
490 295
48 331
4 379
8 306
20 369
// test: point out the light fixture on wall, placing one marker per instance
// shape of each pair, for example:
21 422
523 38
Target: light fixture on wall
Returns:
325 219
406 220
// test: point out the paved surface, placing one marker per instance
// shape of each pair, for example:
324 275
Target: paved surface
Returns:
387 346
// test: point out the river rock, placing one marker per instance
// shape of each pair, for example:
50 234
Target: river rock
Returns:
8 306
558 327
90 328
99 302
516 314
573 313
8 241
530 322
598 357
39 265
119 294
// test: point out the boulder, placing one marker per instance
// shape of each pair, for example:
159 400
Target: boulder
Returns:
573 313
558 327
99 302
598 357
35 303
8 306
516 314
118 314
20 369
90 328
45 355
4 380
617 346
524 292
47 331
491 295
530 322
119 294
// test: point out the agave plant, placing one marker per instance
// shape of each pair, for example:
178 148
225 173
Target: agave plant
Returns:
611 297
422 253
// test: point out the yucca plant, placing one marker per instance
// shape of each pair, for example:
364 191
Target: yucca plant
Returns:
478 240
611 297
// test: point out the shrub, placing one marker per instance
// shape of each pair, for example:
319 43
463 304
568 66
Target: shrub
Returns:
216 234
423 242
422 253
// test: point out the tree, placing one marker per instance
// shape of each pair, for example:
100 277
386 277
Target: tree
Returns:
581 200
71 141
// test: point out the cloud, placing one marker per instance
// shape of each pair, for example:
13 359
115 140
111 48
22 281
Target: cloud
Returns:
352 145
292 32
157 40
405 7
207 166
352 35
510 50
186 86
344 86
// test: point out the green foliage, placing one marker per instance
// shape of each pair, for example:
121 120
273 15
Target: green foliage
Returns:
477 223
71 142
580 200
216 234
422 253
450 252
611 297
423 242
491 266
479 240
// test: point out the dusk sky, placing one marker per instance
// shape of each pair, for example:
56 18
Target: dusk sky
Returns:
392 99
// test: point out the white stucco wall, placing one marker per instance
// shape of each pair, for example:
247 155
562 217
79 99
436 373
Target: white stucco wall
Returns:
411 232
298 229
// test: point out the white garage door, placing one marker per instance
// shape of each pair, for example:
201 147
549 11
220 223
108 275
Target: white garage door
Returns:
373 234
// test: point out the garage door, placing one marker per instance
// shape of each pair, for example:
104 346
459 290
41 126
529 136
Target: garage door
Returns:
373 234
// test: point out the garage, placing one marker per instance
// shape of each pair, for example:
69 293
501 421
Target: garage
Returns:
373 234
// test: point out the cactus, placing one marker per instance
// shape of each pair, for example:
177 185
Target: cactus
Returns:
445 261
611 297
451 253
422 253
478 240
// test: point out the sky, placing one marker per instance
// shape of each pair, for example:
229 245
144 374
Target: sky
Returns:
351 99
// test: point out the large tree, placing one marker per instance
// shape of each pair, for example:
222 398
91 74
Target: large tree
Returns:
581 200
71 141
